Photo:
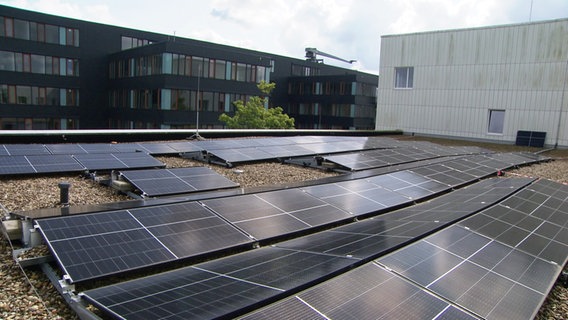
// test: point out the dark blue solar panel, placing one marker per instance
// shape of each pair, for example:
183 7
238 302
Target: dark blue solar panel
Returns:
156 182
93 245
220 288
112 161
24 149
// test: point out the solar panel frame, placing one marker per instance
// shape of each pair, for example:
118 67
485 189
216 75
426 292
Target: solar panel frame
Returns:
487 268
224 287
54 163
159 182
94 245
15 165
114 161
23 149
65 148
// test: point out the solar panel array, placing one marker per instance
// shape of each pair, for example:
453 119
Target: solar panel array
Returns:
274 214
98 244
493 226
101 156
159 182
31 164
457 273
236 284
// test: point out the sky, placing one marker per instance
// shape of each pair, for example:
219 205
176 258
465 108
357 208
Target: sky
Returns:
349 29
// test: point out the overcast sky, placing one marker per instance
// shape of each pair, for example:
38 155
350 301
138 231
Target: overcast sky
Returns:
350 29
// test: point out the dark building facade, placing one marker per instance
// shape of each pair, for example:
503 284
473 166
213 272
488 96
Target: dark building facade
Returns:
61 73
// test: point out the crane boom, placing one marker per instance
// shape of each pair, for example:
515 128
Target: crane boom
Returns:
311 55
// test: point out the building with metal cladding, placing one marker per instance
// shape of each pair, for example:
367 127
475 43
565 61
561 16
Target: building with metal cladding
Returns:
60 73
481 84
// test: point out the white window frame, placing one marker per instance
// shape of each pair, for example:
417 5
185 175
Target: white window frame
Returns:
403 77
496 121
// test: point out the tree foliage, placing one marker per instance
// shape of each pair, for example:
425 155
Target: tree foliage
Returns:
253 115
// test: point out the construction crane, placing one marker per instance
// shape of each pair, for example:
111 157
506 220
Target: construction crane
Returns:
311 55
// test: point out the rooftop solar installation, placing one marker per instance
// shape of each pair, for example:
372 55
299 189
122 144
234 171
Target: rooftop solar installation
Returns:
93 245
271 214
23 149
367 292
499 263
159 182
231 156
157 148
32 164
284 268
369 238
112 161
221 288
65 148
477 273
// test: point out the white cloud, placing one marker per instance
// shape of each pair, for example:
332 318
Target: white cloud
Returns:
349 29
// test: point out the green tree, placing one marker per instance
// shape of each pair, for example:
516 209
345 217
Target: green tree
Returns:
253 115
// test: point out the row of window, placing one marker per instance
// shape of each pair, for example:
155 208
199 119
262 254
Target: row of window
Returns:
131 42
35 63
35 31
304 71
331 88
318 88
38 124
127 124
179 64
332 110
173 99
41 96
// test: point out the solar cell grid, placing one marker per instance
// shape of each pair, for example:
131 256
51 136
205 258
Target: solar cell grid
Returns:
219 288
368 292
54 163
476 272
23 149
112 161
157 148
157 182
94 245
98 148
15 165
65 148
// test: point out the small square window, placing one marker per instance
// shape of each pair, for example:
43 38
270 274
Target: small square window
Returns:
404 77
496 121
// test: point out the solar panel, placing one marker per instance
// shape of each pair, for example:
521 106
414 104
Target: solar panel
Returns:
240 155
98 147
480 274
15 165
533 220
157 148
93 245
367 292
65 148
225 287
379 158
104 161
33 164
276 213
182 147
157 182
23 149
372 237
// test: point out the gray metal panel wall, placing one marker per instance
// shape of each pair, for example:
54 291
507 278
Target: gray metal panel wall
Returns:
459 75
